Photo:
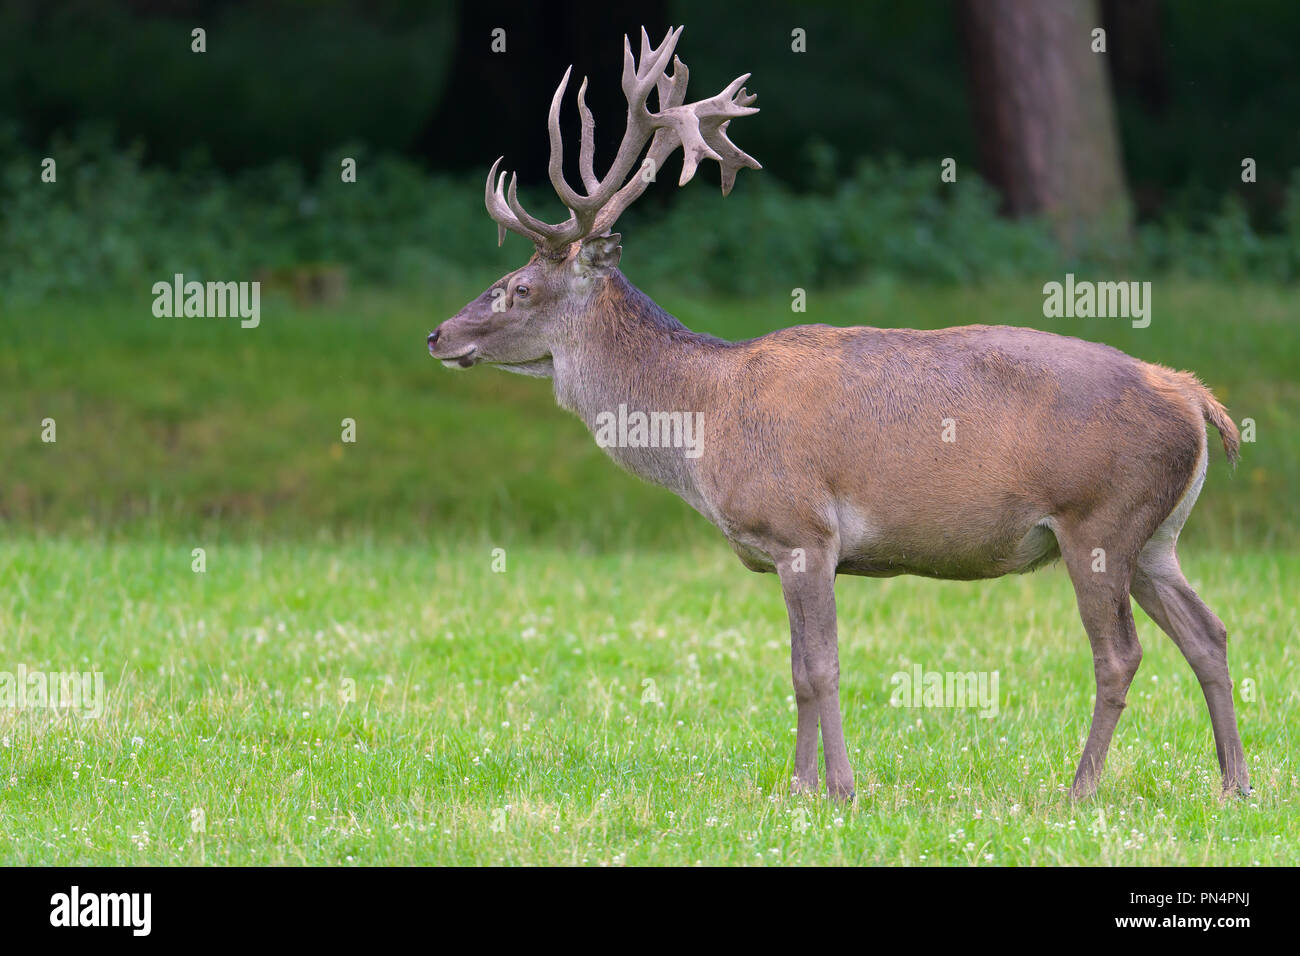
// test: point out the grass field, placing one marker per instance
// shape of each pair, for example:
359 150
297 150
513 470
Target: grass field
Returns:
350 680
507 718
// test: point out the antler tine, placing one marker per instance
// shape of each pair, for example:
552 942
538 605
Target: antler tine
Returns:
488 201
497 208
508 213
663 145
672 93
587 150
534 224
700 129
556 164
638 81
637 84
672 90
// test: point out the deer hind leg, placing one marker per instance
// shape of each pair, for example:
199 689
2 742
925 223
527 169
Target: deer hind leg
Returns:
1100 570
1163 592
1165 595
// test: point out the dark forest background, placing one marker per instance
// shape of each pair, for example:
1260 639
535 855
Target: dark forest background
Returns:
292 78
1133 155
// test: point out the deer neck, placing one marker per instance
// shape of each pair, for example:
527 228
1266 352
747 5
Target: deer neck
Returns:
643 383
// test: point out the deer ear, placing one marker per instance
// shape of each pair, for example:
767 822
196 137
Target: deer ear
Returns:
599 255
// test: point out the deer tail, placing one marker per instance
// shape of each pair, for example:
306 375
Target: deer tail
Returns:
1218 416
1189 387
1214 412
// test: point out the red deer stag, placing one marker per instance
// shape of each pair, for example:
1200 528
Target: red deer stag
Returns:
820 449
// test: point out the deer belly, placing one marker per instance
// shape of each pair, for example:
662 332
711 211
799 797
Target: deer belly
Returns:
957 549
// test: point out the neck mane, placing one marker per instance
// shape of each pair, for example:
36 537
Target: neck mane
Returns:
621 301
627 351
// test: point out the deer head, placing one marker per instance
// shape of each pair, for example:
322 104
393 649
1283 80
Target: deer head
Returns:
517 320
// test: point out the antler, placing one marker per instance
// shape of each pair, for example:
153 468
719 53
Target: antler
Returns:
699 128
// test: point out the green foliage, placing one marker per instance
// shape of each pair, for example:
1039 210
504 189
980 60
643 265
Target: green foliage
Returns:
887 218
113 222
1228 247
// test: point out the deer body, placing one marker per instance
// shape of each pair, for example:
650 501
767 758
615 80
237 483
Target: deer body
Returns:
959 453
861 455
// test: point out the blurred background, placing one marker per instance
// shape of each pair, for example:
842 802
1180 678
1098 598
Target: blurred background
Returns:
1164 149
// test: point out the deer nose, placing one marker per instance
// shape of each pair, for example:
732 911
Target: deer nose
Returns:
433 339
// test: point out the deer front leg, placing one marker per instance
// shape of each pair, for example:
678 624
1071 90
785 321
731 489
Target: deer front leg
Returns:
805 699
809 588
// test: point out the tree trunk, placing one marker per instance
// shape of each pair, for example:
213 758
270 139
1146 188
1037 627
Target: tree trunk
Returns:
1046 123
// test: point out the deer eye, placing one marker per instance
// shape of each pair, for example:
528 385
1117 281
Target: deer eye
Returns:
521 291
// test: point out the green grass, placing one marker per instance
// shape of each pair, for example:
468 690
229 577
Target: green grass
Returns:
503 717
